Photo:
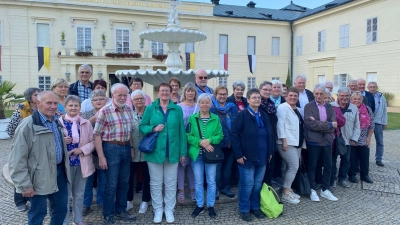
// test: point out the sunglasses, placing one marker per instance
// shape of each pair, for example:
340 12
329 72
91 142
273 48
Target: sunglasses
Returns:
203 78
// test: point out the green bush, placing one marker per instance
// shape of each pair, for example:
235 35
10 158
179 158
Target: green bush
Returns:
389 96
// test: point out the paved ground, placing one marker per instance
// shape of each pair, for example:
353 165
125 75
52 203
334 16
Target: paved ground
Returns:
360 204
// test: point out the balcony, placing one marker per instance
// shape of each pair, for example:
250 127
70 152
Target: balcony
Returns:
70 52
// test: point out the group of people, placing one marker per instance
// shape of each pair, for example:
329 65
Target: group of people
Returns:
74 137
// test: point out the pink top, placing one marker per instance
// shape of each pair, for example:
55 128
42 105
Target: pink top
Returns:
322 111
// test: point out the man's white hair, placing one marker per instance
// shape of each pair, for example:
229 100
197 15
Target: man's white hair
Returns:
117 85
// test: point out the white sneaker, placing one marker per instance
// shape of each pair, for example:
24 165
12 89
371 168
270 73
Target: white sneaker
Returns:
158 217
314 197
328 195
289 198
169 216
143 207
129 205
294 194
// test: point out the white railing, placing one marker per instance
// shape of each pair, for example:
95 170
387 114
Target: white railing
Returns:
103 52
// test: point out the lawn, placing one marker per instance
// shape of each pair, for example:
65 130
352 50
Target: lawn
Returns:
393 121
8 113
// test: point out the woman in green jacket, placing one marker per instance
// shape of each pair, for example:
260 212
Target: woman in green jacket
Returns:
171 147
211 133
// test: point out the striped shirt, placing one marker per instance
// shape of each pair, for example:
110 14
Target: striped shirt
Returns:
114 124
52 125
83 91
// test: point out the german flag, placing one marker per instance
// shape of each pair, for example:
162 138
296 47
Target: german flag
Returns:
43 57
190 58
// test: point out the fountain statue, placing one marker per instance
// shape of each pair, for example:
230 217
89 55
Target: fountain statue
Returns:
174 36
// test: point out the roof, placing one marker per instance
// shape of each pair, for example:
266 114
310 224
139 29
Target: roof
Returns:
289 13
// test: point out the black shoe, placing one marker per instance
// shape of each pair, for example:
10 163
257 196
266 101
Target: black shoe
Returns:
257 213
227 192
197 211
124 215
353 179
246 216
379 163
317 187
211 212
344 183
109 221
367 179
358 170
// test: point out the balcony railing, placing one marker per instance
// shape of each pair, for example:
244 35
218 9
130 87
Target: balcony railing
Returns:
102 52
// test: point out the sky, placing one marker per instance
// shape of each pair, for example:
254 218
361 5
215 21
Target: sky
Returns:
271 4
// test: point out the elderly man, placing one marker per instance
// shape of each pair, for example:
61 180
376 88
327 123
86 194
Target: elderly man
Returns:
319 126
305 96
380 120
368 96
352 85
201 82
113 143
350 132
237 96
38 162
83 87
329 86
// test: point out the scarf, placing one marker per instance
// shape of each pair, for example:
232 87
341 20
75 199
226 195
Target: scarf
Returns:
365 121
223 112
268 106
74 128
260 123
276 101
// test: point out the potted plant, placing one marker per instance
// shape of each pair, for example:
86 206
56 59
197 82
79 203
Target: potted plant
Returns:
62 38
103 39
7 97
141 43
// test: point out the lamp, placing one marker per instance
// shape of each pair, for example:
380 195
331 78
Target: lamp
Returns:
67 75
99 74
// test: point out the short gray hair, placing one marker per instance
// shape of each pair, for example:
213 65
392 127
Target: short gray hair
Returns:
320 87
356 93
96 93
351 82
263 84
343 89
189 86
117 85
85 66
238 83
328 82
29 92
277 82
373 82
138 92
57 82
327 92
300 76
39 97
203 97
360 79
72 98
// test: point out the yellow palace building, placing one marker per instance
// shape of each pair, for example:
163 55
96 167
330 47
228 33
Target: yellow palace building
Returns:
340 41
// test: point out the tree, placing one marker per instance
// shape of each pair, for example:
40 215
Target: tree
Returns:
288 79
7 97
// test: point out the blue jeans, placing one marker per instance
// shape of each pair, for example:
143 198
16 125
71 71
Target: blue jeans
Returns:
117 178
58 202
198 167
224 169
250 183
101 184
344 165
378 131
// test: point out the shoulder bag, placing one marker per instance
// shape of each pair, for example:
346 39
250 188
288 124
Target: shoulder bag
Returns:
148 143
215 156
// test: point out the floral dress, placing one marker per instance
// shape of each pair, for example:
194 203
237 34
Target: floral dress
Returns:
73 160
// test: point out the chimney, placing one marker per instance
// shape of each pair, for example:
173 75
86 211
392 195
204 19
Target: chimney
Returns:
251 4
215 2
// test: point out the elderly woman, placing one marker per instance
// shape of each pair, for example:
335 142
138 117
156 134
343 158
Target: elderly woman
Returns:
253 145
329 86
226 111
284 91
290 141
78 134
276 93
22 110
211 133
189 107
137 84
98 85
176 85
98 99
237 96
165 117
60 87
138 99
360 150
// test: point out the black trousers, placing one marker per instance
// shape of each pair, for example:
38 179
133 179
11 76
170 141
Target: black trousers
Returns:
314 153
361 154
146 197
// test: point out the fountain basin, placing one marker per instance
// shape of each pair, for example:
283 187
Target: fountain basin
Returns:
173 35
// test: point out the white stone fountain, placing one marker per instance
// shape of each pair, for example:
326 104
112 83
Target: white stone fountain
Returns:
174 36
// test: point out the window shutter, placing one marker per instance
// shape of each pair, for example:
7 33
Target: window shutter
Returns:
1 35
374 29
43 35
323 40
335 83
251 45
223 44
299 45
319 41
347 35
369 31
342 34
275 46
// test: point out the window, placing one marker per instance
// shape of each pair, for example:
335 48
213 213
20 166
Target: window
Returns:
371 77
223 81
321 79
251 45
321 41
275 46
275 78
372 30
339 81
122 40
83 39
189 47
43 34
157 48
223 44
44 83
251 82
299 45
344 36
1 34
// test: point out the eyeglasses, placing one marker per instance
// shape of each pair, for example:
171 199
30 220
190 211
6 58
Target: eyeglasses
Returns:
98 100
203 78
138 99
87 72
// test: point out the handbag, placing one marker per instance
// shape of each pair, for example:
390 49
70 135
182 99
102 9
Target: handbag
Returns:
340 145
271 207
148 143
301 183
215 156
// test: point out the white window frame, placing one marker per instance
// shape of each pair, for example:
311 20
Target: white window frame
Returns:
372 76
251 48
344 40
299 45
370 34
321 79
222 48
44 84
251 82
275 78
84 48
37 35
275 46
223 81
321 41
159 50
339 81
122 38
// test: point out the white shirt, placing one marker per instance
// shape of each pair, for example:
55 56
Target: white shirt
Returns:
303 98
